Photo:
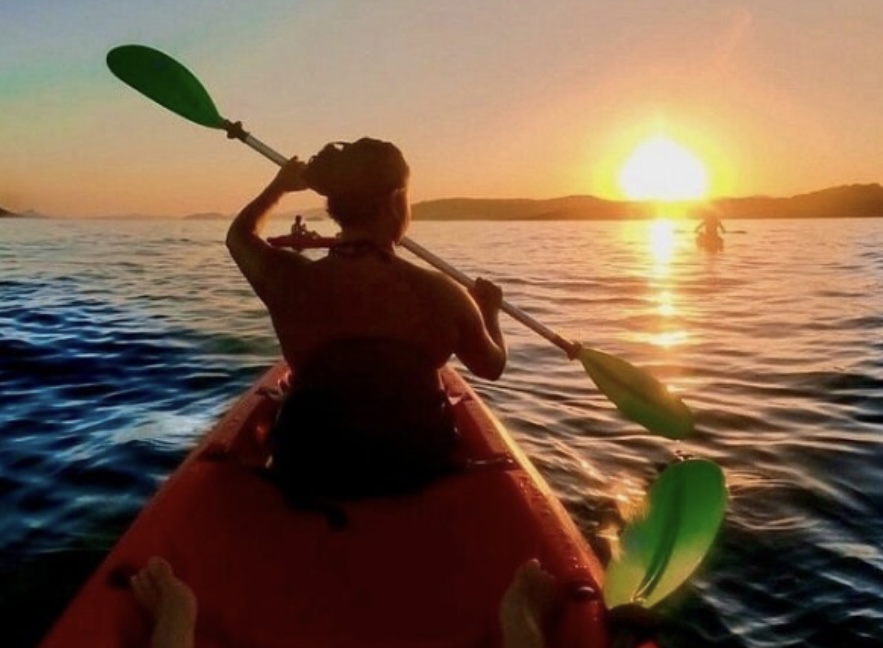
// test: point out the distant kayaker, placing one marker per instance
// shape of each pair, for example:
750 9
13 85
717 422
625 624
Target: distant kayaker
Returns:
710 225
298 228
529 605
364 331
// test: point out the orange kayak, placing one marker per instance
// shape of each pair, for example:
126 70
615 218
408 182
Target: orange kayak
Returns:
423 570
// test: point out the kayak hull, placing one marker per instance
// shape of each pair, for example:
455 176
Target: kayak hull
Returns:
710 242
427 569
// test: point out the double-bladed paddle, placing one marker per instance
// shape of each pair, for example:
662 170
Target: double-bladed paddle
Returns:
638 395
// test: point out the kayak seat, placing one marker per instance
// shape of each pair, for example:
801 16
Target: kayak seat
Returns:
363 417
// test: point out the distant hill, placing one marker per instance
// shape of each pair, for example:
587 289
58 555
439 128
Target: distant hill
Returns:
849 201
5 213
567 208
208 216
313 213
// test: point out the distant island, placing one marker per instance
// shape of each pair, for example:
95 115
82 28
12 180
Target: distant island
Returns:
5 213
851 201
848 201
8 214
312 213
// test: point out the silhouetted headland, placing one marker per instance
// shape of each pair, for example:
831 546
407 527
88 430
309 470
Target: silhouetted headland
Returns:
850 201
847 201
5 213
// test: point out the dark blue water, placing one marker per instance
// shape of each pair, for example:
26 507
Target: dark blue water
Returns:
122 341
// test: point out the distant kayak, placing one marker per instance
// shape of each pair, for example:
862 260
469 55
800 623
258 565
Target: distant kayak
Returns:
427 569
710 242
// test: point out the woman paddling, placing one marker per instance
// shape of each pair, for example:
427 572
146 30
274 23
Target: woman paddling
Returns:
364 332
709 230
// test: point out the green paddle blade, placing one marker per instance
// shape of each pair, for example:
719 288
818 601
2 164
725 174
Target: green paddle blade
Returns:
660 550
638 395
161 78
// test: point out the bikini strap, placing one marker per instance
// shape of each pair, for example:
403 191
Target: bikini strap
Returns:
359 248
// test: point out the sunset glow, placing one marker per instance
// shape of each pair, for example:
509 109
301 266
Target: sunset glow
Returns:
687 106
661 169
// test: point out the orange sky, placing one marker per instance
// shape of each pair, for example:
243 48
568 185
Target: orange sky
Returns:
492 98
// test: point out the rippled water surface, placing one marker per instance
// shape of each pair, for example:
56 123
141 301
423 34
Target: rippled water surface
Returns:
121 341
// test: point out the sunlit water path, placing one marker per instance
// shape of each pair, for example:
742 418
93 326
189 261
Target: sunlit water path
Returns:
121 341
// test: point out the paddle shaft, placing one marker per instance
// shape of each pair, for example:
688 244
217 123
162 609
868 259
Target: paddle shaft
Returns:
235 131
569 347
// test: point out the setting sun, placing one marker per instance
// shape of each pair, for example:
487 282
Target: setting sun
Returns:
661 169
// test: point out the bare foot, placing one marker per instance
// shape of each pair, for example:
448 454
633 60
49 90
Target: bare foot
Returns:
527 606
170 603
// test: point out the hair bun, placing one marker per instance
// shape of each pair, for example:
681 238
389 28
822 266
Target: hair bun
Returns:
366 166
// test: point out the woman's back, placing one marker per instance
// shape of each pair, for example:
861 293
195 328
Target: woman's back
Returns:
369 295
361 288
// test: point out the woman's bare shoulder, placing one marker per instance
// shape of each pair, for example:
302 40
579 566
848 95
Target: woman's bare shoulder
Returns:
433 279
447 293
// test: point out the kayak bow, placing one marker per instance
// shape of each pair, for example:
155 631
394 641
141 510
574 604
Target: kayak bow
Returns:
427 569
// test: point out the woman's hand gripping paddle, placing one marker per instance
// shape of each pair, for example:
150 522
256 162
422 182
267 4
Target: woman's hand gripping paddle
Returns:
639 397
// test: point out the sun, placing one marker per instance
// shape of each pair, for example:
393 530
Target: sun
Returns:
663 170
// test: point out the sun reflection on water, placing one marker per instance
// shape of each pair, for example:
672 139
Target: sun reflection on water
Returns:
663 246
666 305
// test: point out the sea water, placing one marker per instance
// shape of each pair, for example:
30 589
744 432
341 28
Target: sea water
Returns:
121 341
